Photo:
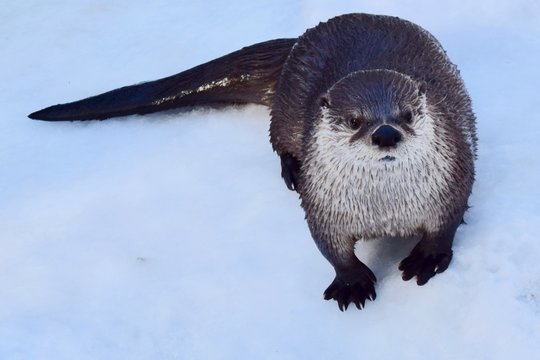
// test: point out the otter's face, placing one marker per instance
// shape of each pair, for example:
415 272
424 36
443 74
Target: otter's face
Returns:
375 116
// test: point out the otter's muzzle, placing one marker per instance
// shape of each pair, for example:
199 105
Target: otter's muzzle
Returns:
385 136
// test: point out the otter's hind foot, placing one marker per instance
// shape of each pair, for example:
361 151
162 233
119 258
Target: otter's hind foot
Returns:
352 287
424 264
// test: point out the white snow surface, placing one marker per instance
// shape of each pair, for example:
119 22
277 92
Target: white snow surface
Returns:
172 236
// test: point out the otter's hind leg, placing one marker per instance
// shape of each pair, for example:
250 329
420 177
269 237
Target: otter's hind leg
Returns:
354 281
430 256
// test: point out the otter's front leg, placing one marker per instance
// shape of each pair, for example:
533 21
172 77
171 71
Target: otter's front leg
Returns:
430 256
354 281
290 171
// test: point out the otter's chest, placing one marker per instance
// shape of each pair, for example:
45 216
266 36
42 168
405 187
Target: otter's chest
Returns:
388 199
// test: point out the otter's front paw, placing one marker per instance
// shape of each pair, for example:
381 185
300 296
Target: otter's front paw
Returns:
290 171
346 290
424 265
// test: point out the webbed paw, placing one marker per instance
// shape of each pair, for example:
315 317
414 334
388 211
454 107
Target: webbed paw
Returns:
290 171
353 288
424 265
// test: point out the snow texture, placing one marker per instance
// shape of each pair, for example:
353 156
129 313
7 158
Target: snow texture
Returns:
172 236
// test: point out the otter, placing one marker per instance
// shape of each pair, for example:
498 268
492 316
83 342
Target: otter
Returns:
371 121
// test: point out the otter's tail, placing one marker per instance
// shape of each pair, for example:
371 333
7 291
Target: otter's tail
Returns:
245 76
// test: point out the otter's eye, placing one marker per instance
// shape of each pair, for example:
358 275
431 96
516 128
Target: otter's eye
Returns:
354 123
407 116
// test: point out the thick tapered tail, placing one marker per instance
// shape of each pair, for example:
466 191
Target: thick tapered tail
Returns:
245 76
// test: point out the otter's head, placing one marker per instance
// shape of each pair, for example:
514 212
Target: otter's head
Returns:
375 116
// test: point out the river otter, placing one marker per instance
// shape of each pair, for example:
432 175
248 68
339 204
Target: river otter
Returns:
371 121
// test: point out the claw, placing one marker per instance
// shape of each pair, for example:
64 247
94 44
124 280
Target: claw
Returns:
363 302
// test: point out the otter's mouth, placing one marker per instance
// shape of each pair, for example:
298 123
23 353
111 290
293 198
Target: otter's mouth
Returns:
388 158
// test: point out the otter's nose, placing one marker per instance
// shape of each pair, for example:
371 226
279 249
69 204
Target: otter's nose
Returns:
385 136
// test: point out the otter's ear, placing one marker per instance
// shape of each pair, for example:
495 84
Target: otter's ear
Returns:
422 88
324 101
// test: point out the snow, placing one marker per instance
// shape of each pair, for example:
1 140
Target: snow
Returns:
172 236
